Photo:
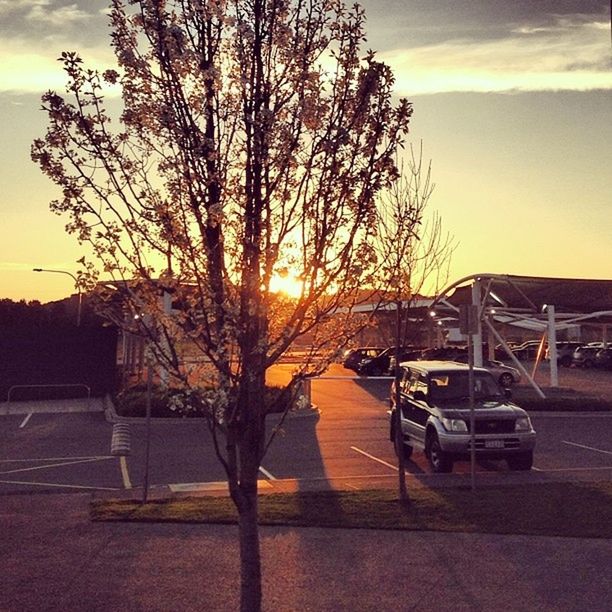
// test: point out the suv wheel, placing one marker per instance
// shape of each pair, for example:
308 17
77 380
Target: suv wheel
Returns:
522 462
440 462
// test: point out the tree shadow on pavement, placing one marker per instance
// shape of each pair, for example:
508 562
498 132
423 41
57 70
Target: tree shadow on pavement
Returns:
298 440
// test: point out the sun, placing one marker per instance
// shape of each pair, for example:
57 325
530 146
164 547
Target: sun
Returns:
286 283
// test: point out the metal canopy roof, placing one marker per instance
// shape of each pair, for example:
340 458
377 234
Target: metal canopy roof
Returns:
530 294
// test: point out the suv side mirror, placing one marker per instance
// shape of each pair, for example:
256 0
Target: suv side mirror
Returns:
419 396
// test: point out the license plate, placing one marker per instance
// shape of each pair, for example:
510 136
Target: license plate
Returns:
494 444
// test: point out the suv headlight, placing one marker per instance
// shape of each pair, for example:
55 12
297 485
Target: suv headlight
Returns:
454 424
522 424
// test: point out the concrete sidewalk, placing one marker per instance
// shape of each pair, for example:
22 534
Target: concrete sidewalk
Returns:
54 558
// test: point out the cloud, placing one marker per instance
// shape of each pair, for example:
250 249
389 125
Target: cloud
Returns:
42 11
26 67
12 6
569 54
56 16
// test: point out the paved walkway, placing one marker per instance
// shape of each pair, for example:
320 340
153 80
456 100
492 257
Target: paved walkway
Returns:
54 558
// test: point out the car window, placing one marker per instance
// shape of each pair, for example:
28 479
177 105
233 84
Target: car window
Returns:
418 382
445 386
405 382
421 383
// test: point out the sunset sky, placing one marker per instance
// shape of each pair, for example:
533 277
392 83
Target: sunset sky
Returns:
512 101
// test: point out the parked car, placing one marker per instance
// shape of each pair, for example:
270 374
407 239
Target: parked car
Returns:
381 364
584 356
353 357
435 417
504 374
527 350
444 353
408 354
603 358
565 353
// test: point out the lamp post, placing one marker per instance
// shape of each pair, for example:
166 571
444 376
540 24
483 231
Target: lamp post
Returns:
76 284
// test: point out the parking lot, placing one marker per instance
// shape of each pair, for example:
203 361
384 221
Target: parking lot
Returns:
346 444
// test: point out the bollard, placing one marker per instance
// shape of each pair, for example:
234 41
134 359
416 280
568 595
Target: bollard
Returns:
120 442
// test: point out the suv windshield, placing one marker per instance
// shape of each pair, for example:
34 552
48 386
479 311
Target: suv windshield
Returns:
446 386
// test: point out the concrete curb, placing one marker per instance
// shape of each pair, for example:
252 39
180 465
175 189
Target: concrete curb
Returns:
78 405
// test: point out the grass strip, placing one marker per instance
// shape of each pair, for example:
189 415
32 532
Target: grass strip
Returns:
582 510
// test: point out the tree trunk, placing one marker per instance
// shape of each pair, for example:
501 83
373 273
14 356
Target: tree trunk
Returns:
250 559
252 390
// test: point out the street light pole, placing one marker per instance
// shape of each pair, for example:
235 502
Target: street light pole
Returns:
76 284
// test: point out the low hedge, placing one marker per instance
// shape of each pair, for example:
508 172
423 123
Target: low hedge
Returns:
132 402
566 404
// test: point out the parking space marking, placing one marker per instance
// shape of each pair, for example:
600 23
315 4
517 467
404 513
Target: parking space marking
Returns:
266 473
125 475
578 469
59 486
597 450
25 421
51 465
358 450
53 459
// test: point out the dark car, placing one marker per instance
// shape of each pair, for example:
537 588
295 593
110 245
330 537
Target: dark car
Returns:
353 357
381 364
445 353
565 353
584 356
527 350
603 358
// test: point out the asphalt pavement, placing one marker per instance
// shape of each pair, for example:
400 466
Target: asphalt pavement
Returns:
54 558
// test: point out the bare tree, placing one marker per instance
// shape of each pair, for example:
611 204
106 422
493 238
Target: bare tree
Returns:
252 141
414 254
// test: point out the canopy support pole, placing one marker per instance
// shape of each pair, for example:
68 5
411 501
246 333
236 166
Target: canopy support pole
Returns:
517 363
552 346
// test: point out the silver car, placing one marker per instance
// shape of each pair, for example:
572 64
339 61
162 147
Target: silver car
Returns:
435 416
505 375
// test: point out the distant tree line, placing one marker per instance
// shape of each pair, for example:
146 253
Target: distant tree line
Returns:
35 315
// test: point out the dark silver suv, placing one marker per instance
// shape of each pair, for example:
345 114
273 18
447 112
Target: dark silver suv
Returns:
435 416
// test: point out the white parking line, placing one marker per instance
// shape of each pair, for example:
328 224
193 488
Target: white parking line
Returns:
266 473
25 421
358 450
597 450
53 459
578 469
51 465
125 475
